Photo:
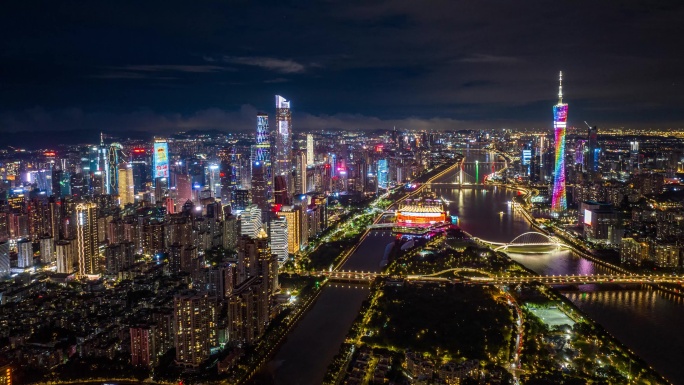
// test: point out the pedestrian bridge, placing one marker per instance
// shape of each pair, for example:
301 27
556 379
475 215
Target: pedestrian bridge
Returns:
530 242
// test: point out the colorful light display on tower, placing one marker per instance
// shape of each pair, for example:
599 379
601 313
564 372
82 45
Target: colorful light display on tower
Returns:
560 118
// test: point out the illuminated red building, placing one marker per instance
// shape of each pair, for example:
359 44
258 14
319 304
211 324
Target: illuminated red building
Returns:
421 213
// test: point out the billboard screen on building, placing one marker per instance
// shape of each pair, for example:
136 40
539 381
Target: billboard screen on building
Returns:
587 217
161 160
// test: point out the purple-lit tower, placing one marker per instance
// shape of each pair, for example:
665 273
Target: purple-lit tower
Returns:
560 118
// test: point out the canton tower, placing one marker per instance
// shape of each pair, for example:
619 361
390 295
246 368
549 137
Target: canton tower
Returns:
560 118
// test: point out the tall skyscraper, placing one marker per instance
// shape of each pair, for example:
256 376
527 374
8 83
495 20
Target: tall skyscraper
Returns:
262 153
112 169
160 158
293 216
283 141
300 173
280 192
86 239
259 188
183 188
634 156
279 233
251 221
126 185
310 150
592 150
560 118
140 161
383 174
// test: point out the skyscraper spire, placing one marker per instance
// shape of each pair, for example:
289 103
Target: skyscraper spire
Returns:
560 88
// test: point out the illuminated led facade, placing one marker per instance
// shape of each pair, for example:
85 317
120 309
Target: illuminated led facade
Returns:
383 174
160 169
283 141
262 153
126 184
112 169
560 118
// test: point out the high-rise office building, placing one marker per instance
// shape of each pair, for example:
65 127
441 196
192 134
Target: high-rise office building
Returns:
126 185
250 221
239 200
283 141
259 189
87 249
261 153
140 161
383 174
560 118
591 157
279 233
300 173
160 159
183 188
213 179
310 156
112 169
633 156
280 192
293 216
195 325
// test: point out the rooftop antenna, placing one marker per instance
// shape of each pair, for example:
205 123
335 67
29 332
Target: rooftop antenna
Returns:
560 88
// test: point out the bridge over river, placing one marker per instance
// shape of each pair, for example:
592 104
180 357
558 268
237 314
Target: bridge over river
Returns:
442 276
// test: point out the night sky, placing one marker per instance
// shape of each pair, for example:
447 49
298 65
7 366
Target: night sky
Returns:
159 66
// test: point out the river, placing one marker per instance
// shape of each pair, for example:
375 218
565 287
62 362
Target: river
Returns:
646 321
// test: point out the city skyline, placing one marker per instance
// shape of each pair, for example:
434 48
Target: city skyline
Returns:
356 72
415 208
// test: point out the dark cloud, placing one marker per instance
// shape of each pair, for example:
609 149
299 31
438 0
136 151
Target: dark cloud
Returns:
344 64
284 66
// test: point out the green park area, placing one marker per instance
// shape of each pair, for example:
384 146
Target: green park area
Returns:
439 324
454 321
560 345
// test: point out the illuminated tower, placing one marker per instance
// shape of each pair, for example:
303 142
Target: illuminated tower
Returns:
112 168
560 118
262 153
126 185
283 141
309 150
87 239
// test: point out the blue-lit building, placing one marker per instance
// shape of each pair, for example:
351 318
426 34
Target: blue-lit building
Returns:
383 174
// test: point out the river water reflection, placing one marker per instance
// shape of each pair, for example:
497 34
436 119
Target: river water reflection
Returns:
644 320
